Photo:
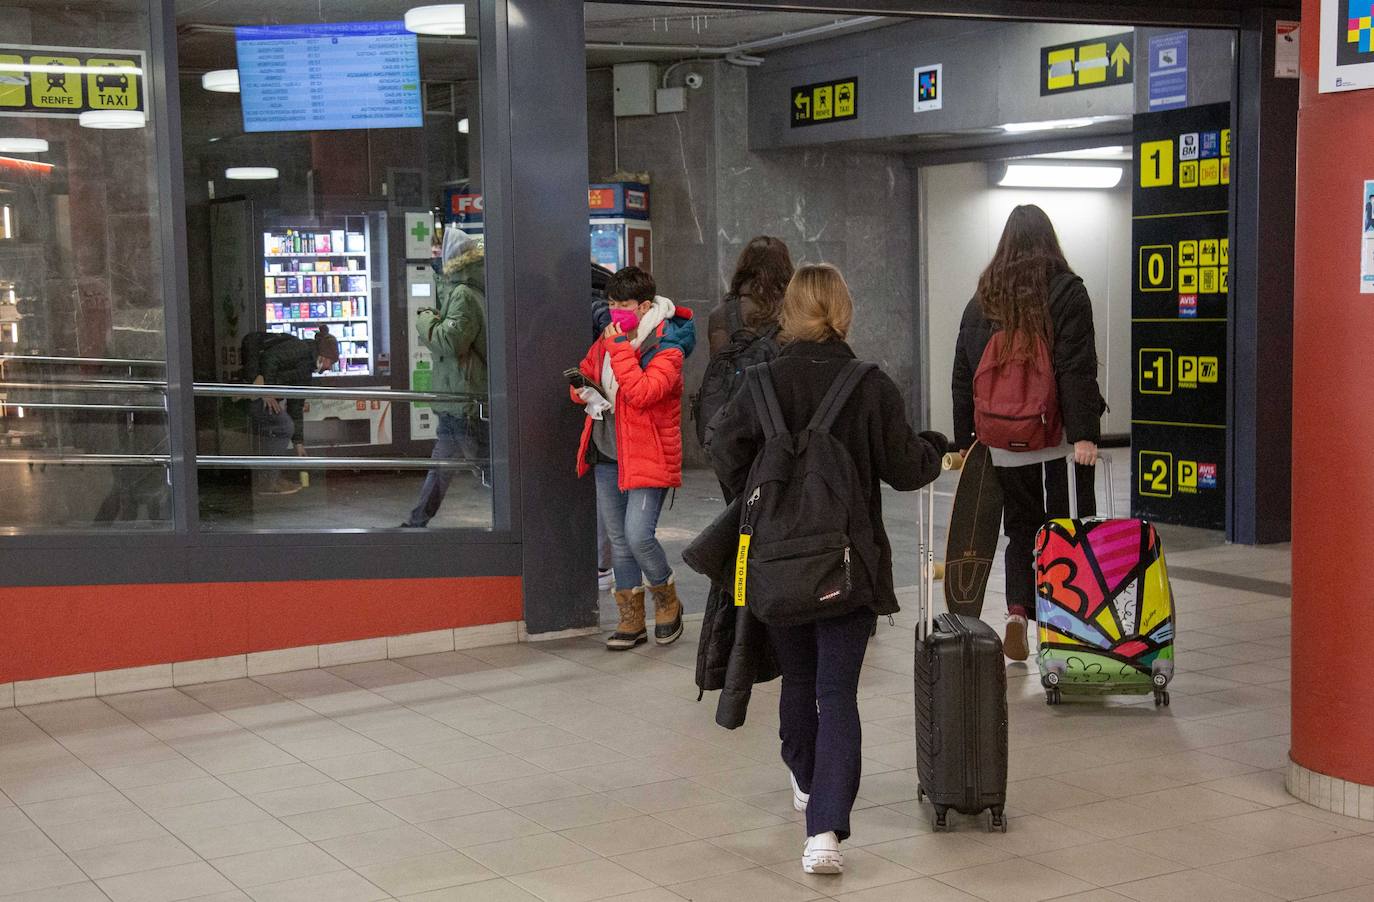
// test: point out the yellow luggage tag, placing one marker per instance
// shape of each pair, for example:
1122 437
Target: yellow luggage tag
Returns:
742 567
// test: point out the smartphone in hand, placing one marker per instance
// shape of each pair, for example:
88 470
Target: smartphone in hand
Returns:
575 378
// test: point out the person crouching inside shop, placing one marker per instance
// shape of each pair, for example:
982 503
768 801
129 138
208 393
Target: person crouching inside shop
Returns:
455 332
278 424
631 385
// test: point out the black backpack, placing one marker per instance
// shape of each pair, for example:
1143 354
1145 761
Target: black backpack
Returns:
725 372
807 547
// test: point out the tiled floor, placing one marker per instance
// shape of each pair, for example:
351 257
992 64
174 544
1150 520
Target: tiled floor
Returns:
565 773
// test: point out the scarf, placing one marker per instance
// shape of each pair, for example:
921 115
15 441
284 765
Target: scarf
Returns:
662 311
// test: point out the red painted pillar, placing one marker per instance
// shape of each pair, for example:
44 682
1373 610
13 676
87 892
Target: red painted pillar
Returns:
1333 430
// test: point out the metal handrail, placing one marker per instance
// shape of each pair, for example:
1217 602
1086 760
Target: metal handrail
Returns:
296 462
229 390
90 460
254 462
53 405
113 386
82 361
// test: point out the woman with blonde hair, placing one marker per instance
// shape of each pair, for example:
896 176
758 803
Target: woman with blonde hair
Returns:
821 660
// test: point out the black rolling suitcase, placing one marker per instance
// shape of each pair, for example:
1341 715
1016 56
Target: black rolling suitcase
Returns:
961 704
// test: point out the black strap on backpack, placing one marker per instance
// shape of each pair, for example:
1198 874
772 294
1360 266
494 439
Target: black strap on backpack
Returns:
839 393
769 411
766 401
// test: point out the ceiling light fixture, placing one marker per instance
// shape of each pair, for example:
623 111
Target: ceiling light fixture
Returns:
64 69
250 173
1115 152
23 145
221 81
442 19
1048 175
1017 128
113 119
463 126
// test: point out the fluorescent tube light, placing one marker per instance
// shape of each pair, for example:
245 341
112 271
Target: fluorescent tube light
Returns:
1116 152
1016 128
443 19
113 119
63 69
23 145
250 173
1032 175
221 81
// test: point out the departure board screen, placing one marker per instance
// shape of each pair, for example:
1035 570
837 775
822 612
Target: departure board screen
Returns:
329 76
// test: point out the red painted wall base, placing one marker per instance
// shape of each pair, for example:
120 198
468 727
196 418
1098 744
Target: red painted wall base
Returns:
47 632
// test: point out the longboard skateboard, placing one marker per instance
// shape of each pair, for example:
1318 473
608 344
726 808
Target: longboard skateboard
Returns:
974 530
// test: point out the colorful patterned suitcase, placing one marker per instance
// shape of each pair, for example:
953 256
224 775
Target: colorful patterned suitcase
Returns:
1104 607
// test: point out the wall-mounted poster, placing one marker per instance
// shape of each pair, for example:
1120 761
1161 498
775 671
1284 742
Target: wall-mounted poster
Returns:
1347 45
1367 239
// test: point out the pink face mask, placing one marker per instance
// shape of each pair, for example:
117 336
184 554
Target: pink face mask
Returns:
625 319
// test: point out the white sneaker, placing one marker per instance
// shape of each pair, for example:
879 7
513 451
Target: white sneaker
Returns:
822 854
799 798
605 579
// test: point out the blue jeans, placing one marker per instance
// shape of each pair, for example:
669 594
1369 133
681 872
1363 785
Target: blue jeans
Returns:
821 737
271 434
456 437
630 519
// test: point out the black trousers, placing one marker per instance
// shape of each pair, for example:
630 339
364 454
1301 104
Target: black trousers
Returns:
1030 496
819 709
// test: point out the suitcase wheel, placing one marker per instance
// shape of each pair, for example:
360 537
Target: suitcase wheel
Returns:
939 822
920 793
997 821
1054 696
1161 698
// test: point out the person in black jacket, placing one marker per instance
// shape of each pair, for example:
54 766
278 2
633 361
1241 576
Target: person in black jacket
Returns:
820 661
276 358
1029 289
601 318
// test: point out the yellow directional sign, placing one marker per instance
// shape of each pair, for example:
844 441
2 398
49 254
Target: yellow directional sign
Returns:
825 102
116 88
59 87
62 82
1091 63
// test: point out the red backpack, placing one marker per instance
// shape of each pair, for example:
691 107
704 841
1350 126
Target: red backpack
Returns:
1016 404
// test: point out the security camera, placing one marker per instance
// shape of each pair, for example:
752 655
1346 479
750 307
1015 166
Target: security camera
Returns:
694 80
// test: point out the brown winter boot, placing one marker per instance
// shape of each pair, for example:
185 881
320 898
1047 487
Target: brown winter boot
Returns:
631 630
667 613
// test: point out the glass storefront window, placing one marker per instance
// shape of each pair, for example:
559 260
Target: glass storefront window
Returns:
83 428
334 244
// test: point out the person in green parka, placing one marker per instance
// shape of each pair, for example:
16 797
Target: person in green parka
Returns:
455 333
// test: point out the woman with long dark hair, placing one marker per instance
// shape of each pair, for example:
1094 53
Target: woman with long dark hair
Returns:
756 289
1029 293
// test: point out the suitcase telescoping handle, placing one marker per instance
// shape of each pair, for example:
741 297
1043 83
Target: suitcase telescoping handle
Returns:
925 593
1106 464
